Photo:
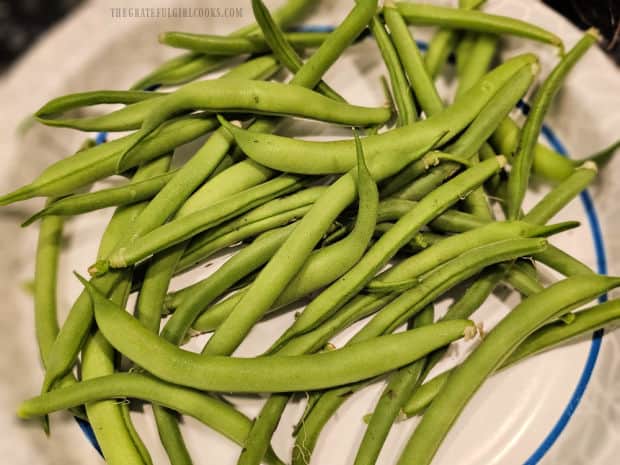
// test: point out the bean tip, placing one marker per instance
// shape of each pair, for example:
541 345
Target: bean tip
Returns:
99 268
590 165
501 160
389 4
595 33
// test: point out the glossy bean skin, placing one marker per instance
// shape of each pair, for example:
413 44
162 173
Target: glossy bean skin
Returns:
523 159
87 166
463 382
309 157
479 61
219 45
441 45
268 373
214 413
279 274
472 20
384 249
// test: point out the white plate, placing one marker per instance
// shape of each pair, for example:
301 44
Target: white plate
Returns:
533 413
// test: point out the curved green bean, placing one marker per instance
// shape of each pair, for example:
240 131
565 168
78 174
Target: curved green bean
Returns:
518 179
528 316
268 373
310 157
384 249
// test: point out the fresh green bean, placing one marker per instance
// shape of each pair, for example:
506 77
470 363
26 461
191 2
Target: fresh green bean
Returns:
258 97
602 157
309 157
528 316
384 249
72 335
231 332
411 59
129 193
519 278
216 414
441 45
49 247
268 373
83 168
403 98
545 338
186 227
518 179
281 48
472 20
559 196
398 390
478 62
463 50
227 45
190 66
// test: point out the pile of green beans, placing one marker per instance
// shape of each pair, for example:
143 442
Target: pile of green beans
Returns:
371 230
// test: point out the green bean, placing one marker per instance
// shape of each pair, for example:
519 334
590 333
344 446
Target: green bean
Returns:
463 50
398 390
450 247
520 279
268 373
545 338
184 228
602 157
74 331
126 194
282 49
562 262
403 98
523 159
468 144
105 416
83 168
275 213
528 316
478 61
441 45
49 246
190 66
258 97
384 249
472 20
231 332
132 116
558 197
411 59
308 157
216 414
227 45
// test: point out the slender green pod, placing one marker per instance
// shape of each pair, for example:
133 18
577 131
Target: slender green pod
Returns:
412 61
311 157
231 332
232 46
562 194
186 227
87 166
518 180
216 414
268 373
528 316
190 66
441 45
478 61
385 248
472 20
132 192
403 97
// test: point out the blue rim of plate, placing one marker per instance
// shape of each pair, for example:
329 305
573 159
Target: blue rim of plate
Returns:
601 264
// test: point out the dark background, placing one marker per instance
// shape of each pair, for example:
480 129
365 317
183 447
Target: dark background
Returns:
22 21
